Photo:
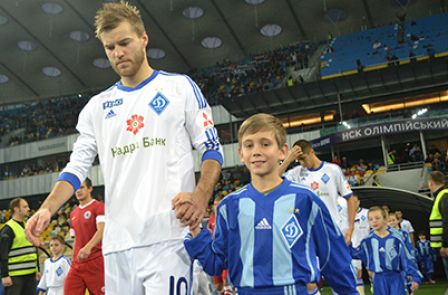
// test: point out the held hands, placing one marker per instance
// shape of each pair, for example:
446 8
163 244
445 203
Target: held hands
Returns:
444 252
190 208
36 225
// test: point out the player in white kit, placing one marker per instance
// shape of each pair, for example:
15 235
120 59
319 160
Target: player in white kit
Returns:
143 129
361 230
325 179
55 269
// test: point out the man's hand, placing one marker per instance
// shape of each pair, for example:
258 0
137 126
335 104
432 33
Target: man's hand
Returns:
36 225
38 276
294 154
189 208
7 281
84 253
348 235
444 252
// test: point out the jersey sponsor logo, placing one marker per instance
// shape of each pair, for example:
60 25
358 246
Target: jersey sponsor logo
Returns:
87 215
110 114
129 149
291 231
135 123
325 178
112 103
314 185
159 103
263 224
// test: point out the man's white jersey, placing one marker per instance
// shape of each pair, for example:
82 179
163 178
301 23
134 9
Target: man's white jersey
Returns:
54 275
144 138
361 228
327 181
343 212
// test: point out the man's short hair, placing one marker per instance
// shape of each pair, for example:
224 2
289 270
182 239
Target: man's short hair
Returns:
437 177
110 15
263 122
88 182
305 145
15 203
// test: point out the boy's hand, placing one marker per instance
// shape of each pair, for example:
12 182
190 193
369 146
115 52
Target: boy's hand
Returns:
195 231
414 286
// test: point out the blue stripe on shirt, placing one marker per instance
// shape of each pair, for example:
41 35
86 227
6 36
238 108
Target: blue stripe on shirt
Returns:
282 263
246 211
70 178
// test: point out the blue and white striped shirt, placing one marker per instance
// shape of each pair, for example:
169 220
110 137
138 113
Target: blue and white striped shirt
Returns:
273 241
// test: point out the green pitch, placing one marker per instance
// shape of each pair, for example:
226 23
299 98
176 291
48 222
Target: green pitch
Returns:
426 289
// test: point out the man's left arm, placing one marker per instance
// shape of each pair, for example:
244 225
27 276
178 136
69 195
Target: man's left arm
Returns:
351 212
190 208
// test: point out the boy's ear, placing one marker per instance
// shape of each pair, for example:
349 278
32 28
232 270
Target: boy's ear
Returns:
240 153
283 151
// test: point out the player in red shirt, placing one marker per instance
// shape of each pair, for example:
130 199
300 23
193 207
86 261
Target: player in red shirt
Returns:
87 222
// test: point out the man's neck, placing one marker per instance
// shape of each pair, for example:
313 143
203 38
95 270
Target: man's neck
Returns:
86 201
142 74
316 163
17 217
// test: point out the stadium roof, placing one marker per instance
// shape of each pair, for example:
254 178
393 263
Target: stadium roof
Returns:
48 48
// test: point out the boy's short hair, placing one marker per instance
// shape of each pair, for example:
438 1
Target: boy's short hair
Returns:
304 145
111 15
378 208
437 177
58 238
421 234
263 122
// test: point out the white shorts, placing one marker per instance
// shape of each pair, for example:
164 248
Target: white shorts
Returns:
162 268
357 264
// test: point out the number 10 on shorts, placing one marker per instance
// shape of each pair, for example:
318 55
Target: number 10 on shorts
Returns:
179 286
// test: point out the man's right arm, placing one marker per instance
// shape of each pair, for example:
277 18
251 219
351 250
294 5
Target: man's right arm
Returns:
294 153
7 236
61 192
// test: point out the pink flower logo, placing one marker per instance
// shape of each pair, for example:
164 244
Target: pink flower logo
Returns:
135 123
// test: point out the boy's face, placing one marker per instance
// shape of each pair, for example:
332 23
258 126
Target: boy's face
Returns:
393 221
422 238
376 220
56 248
260 153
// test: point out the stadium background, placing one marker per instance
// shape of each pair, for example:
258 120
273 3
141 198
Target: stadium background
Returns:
359 79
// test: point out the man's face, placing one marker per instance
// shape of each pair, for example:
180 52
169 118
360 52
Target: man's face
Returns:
306 159
83 192
23 210
125 50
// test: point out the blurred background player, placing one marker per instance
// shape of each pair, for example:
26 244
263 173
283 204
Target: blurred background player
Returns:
87 223
272 222
384 255
438 220
406 225
55 269
361 230
19 260
426 257
325 179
